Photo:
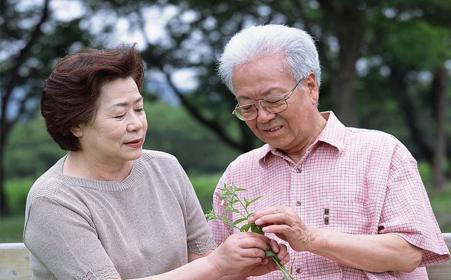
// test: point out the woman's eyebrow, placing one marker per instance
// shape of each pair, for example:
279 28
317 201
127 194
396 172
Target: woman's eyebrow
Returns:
125 104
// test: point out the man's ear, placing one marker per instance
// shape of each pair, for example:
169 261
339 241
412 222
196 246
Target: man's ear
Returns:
312 88
77 131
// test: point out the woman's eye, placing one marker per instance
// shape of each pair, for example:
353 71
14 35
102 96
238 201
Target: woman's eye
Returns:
119 117
139 109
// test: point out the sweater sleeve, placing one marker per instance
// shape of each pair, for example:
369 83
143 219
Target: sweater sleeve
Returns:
63 239
199 237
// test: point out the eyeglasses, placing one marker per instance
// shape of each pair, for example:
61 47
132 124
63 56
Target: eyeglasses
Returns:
249 112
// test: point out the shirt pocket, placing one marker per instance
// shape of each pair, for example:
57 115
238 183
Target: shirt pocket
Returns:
344 216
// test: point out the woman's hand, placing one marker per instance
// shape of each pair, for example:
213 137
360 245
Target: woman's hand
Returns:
286 225
244 254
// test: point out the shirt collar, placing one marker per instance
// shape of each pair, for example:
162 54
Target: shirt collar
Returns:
333 134
334 131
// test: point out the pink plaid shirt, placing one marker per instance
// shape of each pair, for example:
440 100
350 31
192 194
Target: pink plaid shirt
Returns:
367 180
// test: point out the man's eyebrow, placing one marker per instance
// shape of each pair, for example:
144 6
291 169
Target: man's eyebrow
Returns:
125 104
269 91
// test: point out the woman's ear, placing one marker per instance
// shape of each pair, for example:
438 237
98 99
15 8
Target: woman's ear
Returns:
77 131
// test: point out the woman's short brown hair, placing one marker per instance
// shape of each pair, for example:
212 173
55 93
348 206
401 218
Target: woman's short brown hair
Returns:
70 93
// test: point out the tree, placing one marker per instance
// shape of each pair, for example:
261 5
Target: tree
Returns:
377 35
11 74
347 32
32 39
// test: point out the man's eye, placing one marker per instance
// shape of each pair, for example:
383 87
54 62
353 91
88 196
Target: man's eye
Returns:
120 117
246 108
274 99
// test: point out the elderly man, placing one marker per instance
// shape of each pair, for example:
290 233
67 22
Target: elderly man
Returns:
350 202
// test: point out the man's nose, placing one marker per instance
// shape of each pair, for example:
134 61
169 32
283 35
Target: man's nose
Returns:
263 115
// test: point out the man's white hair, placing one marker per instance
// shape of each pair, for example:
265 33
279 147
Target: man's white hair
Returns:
295 44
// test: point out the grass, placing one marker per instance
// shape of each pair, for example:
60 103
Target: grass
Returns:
16 192
204 185
441 204
11 227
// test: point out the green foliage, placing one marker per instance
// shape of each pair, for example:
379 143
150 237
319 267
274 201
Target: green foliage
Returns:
426 172
232 202
172 130
11 229
30 150
230 199
17 190
418 44
204 185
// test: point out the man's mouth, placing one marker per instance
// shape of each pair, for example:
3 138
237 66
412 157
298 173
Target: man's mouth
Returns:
273 129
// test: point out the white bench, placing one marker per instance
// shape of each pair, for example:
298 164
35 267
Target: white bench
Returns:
14 262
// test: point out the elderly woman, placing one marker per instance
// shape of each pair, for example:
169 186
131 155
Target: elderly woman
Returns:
109 209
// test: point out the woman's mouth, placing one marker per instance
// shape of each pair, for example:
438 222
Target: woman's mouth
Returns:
135 144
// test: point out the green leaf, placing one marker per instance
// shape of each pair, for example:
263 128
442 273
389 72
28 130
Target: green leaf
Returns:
210 216
254 200
239 221
245 228
256 229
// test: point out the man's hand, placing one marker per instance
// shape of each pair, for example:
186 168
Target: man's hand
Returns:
286 225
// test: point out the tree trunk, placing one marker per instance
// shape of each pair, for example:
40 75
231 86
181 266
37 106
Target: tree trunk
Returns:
398 80
343 94
440 91
347 22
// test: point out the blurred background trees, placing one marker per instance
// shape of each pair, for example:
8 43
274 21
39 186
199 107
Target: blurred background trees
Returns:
386 65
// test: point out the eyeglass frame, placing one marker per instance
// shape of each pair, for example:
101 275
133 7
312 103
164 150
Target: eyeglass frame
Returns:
285 98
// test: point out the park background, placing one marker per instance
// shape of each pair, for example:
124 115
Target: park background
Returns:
386 65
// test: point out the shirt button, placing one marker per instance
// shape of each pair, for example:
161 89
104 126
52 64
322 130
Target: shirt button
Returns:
298 203
298 170
298 270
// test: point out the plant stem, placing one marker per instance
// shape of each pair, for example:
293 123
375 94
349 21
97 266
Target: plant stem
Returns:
286 274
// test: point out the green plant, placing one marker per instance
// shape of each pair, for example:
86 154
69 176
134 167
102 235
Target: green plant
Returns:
230 200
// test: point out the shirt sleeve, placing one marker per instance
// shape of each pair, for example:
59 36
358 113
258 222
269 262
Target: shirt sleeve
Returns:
219 229
65 242
407 210
199 237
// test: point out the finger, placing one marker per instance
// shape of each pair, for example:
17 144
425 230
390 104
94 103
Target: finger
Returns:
285 260
280 230
283 253
267 211
274 246
283 250
255 240
252 253
277 218
245 261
